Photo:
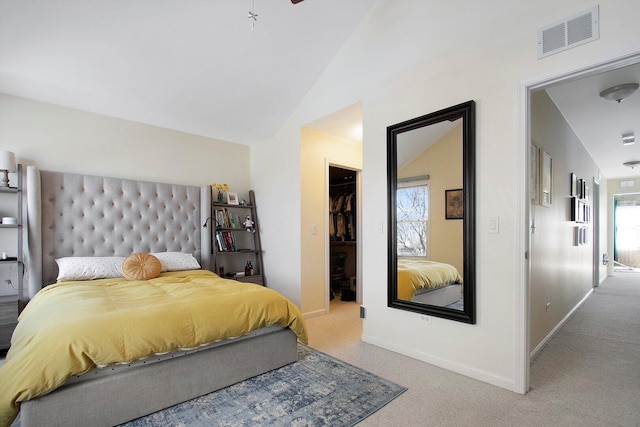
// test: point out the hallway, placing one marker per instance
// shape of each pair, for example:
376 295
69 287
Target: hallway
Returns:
593 362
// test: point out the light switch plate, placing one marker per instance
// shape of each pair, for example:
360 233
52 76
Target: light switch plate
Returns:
494 225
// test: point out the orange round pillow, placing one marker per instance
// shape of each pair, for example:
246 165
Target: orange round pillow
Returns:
141 266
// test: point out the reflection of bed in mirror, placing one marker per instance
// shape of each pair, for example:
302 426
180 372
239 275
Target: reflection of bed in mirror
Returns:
428 282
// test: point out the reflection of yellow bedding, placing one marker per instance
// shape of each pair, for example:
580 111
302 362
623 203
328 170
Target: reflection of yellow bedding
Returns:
72 327
419 274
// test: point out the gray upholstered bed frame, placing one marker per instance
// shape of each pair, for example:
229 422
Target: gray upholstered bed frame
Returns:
78 215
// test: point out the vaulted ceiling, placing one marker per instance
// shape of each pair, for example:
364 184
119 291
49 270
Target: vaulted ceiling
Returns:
195 66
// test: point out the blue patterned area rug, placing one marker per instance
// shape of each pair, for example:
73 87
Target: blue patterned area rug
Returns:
317 390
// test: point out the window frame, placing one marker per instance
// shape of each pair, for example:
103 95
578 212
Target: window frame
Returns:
417 182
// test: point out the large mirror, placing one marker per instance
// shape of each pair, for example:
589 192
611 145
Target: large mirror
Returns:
431 168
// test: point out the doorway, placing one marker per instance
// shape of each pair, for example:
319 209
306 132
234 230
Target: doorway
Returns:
626 238
343 214
524 292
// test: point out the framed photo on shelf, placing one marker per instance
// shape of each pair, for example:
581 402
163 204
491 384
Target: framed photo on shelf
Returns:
454 206
546 179
232 198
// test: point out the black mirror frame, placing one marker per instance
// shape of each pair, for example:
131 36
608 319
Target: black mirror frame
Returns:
466 111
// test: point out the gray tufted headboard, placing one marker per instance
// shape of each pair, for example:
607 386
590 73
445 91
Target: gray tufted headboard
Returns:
96 216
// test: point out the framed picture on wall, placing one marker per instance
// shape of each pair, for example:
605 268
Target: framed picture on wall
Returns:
454 206
546 179
585 194
534 174
573 185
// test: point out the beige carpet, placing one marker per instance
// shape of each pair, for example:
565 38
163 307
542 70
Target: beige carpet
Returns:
587 375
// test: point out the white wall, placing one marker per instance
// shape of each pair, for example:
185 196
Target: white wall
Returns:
67 140
409 58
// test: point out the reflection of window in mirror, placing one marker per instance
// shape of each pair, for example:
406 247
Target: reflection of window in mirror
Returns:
412 198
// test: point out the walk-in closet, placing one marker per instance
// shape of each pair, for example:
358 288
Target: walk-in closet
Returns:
343 233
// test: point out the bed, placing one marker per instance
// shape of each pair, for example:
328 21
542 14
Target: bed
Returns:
428 282
78 217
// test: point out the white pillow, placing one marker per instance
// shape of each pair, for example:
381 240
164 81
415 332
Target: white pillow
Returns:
177 261
89 268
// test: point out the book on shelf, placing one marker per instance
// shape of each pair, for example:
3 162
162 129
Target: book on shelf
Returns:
227 219
226 241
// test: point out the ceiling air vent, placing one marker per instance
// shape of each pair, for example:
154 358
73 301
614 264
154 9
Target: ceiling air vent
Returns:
568 33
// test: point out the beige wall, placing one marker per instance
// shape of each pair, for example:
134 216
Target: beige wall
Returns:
443 163
561 272
318 150
67 140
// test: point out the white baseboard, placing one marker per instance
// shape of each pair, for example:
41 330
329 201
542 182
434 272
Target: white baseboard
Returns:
465 370
558 326
316 313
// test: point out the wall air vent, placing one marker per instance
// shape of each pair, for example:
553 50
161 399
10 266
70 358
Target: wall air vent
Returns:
569 33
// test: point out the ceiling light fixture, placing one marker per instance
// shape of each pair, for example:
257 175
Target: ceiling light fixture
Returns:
628 138
619 93
632 164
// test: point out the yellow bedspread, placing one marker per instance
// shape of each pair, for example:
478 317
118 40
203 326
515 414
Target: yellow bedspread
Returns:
419 274
72 327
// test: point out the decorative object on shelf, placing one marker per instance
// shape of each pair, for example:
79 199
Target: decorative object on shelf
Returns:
220 188
7 164
232 198
248 224
248 269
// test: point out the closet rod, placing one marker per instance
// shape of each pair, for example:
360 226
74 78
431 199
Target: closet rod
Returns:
342 184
